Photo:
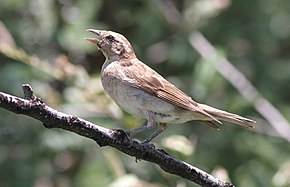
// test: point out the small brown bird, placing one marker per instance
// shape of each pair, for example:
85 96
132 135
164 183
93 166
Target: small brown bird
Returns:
142 92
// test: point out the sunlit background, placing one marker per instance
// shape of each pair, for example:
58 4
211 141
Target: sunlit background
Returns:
230 54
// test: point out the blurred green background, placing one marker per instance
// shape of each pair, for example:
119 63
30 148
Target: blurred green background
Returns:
41 43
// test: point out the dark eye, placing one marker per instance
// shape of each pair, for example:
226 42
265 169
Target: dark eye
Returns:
110 38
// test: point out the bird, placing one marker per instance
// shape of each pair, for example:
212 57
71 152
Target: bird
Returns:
141 91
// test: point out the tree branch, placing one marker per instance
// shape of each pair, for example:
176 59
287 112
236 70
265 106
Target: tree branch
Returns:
117 138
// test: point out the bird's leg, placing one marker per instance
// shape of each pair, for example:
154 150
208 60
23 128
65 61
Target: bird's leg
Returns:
150 123
161 128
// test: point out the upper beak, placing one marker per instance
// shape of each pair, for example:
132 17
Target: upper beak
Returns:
94 40
97 32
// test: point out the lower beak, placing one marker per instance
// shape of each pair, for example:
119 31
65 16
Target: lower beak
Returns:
93 40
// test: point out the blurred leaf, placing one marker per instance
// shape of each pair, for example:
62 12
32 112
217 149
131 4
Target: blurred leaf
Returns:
179 144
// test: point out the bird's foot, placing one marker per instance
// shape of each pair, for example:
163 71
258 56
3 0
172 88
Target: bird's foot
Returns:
125 136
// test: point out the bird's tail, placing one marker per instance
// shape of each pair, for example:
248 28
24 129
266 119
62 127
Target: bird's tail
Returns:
229 117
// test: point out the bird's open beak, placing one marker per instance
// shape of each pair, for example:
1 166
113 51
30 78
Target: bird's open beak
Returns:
94 40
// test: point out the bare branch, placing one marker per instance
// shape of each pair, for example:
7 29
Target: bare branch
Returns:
117 138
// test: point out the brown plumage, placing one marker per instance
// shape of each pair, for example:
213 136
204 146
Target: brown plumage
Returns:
144 93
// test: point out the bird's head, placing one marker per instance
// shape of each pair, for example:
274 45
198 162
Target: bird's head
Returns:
112 44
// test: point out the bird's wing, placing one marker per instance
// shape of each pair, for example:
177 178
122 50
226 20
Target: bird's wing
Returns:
143 77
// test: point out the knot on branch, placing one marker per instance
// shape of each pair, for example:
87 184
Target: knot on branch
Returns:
28 92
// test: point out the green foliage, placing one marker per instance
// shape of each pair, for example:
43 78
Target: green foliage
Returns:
41 43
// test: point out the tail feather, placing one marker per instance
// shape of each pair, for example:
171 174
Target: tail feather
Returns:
211 124
229 117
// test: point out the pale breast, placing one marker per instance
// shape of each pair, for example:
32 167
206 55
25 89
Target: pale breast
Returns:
136 101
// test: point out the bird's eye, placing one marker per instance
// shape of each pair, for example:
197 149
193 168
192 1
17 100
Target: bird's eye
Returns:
110 38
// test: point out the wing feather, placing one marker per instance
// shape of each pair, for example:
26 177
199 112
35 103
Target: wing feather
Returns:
154 84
